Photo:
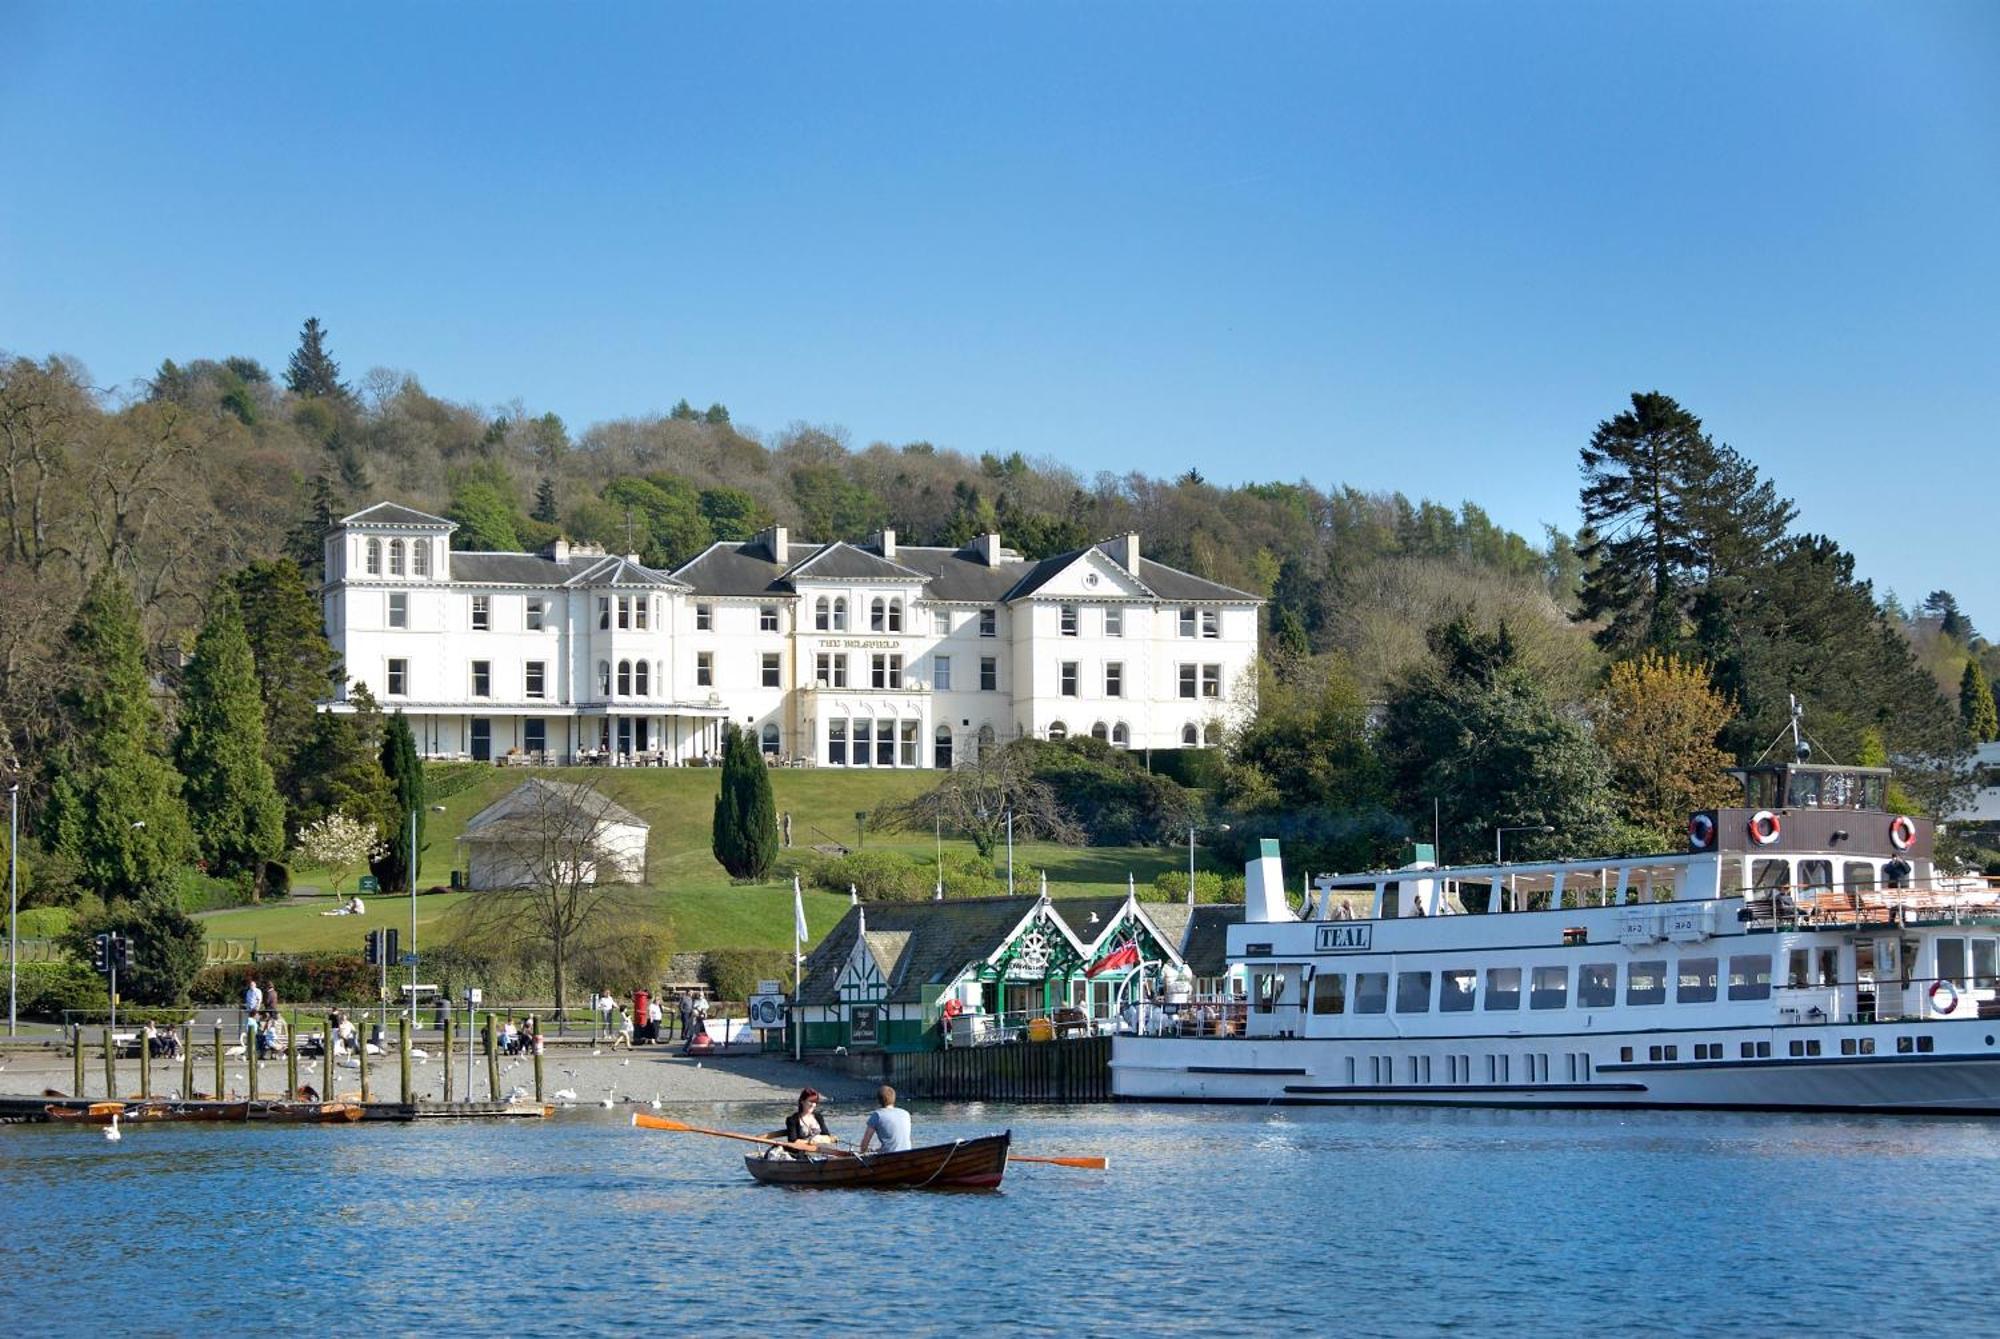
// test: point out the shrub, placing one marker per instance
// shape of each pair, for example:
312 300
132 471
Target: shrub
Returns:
618 962
308 979
1171 886
442 780
1197 769
1116 799
733 973
966 874
167 945
877 876
196 891
48 988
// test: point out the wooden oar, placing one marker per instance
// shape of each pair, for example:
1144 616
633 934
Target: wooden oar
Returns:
646 1122
1088 1164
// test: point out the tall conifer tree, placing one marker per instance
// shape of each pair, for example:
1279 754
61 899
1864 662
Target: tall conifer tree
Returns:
295 664
405 771
1976 705
114 798
312 371
233 802
745 833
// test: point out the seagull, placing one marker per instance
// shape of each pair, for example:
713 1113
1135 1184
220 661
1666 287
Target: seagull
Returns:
420 1053
111 1131
655 1103
595 1051
517 1093
564 1095
624 1062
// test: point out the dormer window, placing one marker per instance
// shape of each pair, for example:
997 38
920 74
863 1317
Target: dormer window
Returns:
420 557
374 559
395 557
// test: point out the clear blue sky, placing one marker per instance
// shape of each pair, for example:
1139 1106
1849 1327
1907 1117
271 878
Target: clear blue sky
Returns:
1419 247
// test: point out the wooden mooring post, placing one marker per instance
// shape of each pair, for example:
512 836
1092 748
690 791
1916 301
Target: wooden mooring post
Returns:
187 1066
538 1069
76 1053
250 1059
361 1059
447 1057
110 1066
220 1060
145 1068
492 1063
291 1063
403 1050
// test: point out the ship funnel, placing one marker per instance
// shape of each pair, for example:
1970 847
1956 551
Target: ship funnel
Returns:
1264 897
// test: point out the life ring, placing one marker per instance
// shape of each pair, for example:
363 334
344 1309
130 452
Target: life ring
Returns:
1701 832
1765 827
1944 996
1902 832
952 1009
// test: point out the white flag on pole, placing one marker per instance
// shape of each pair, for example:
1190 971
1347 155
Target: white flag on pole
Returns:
798 912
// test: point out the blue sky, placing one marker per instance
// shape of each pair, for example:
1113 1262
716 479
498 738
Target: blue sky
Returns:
1422 247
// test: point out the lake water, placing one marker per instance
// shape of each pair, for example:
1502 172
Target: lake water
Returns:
1358 1222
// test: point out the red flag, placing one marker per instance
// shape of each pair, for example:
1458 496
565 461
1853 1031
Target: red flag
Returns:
1128 956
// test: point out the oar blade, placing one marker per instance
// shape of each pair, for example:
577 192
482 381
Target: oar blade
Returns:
1087 1164
647 1121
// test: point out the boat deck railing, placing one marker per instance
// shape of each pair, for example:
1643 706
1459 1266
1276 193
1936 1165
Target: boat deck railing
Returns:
1962 900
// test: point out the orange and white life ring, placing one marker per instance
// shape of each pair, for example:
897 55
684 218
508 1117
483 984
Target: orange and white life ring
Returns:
952 1009
1944 996
1701 832
1765 827
1902 832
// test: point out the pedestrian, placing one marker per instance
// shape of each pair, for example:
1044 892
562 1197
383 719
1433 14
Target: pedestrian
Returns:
271 999
658 1016
253 1000
624 1033
682 1009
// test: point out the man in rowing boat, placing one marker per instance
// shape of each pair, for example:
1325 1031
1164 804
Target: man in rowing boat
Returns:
888 1124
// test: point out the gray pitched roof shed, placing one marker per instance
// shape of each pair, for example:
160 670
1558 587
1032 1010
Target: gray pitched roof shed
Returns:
526 799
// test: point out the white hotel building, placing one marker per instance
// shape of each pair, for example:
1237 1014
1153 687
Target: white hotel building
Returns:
843 655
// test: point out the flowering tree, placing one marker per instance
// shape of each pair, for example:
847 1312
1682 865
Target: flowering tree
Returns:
338 844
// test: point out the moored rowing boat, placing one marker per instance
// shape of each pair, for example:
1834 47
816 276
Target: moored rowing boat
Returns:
309 1113
964 1164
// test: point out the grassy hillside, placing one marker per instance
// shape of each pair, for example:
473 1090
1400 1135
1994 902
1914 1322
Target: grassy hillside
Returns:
690 897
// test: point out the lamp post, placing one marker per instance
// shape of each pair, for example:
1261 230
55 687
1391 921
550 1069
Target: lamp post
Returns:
1010 852
13 897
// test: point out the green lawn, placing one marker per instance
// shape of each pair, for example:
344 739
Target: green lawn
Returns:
691 898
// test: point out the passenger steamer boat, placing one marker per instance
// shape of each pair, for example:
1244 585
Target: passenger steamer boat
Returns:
1801 954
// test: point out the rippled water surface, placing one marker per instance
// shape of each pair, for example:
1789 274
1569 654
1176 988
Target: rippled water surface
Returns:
1355 1222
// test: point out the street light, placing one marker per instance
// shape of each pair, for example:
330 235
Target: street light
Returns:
13 897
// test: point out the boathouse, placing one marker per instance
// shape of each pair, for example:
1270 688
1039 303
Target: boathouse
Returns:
998 968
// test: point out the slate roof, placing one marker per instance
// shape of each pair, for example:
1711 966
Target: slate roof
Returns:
957 576
734 569
842 561
1205 947
1170 583
519 805
538 569
887 948
393 513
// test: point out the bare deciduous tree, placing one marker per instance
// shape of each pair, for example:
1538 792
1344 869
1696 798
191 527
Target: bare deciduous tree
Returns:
977 798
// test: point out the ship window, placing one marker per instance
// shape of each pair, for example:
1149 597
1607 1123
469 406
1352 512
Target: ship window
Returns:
1829 967
1646 983
1330 993
1860 876
1371 992
1985 964
1847 1046
1951 961
1625 1055
1697 981
1413 992
1746 1051
1597 985
1771 874
1456 992
1905 1045
1503 988
1925 1045
1797 963
1867 1046
1750 976
1816 876
1549 988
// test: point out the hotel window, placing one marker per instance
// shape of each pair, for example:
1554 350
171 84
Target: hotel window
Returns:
840 614
482 678
535 735
830 670
642 679
1066 679
604 678
1696 983
770 741
642 607
941 748
624 611
1190 737
1211 681
1190 676
420 557
769 669
941 622
1114 679
876 620
1549 988
885 671
1371 992
1456 992
535 679
906 743
1187 622
624 678
603 612
1058 730
822 614
537 609
395 557
941 673
482 613
895 615
1750 976
767 618
1114 622
1503 988
836 743
1069 620
399 609
1413 992
1330 993
1121 737
704 669
1597 985
989 623
989 674
1101 731
1646 982
864 732
399 678
374 558
1211 623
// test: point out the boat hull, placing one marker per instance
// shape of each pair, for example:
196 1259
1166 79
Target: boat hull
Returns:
968 1164
143 1113
1958 1073
307 1113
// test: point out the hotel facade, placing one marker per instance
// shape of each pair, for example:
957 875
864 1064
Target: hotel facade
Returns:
830 654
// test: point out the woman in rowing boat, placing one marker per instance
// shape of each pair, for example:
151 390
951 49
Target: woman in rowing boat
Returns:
805 1125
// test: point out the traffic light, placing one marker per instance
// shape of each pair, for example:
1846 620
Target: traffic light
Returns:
391 947
374 949
121 951
100 953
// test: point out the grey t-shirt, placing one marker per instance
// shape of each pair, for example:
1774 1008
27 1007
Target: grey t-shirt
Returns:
892 1128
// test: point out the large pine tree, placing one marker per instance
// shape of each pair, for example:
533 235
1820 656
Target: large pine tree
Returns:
295 664
233 802
405 771
312 371
114 798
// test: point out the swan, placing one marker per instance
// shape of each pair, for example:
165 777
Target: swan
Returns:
111 1131
564 1095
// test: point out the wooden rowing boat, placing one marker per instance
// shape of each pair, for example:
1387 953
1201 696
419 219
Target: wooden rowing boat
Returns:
307 1113
965 1164
134 1113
